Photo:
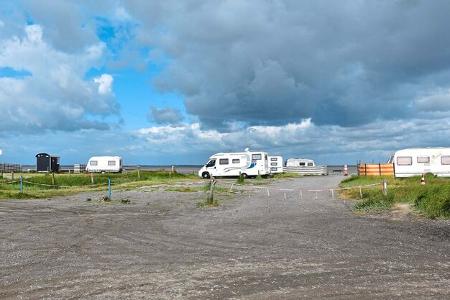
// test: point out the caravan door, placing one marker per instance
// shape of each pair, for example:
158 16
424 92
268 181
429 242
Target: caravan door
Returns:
211 167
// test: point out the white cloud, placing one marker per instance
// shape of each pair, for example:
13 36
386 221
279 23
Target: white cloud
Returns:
438 100
105 82
328 143
56 95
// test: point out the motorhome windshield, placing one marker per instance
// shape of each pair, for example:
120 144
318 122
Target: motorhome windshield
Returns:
211 163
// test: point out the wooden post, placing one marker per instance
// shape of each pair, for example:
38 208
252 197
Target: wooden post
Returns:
139 173
379 169
12 175
21 184
92 178
365 169
360 192
53 178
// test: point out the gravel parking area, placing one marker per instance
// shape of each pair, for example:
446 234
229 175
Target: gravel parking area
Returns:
162 246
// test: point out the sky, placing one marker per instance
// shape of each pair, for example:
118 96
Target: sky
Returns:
173 82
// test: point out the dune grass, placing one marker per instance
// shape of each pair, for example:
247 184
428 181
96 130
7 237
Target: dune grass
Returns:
431 199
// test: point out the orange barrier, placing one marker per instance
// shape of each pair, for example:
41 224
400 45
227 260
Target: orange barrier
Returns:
376 169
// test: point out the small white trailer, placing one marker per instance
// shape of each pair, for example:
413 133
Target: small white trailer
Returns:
111 164
418 161
248 163
300 162
276 164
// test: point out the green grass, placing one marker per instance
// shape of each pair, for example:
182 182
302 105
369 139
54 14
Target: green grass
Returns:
431 199
41 185
286 175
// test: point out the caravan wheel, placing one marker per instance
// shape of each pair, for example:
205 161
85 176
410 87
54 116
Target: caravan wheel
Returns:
205 175
244 175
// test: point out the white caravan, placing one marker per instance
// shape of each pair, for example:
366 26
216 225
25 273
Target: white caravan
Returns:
104 164
276 164
418 161
300 162
248 163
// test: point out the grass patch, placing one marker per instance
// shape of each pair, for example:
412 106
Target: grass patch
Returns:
432 199
286 175
45 185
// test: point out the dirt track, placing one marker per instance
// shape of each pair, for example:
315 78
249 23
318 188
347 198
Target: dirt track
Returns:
253 247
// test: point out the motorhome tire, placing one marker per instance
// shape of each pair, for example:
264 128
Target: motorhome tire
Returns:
244 175
205 175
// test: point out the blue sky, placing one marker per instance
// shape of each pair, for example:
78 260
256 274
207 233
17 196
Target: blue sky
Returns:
174 82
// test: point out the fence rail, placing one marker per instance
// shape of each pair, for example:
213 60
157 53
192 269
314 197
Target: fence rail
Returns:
6 168
376 169
316 170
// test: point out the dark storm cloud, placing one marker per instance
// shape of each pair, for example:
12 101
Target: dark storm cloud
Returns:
274 62
165 115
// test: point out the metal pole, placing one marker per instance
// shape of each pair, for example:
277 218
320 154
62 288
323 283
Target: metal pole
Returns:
385 187
109 188
21 184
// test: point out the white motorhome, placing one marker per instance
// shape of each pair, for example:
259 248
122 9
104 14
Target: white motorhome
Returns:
300 162
104 164
418 161
248 163
276 164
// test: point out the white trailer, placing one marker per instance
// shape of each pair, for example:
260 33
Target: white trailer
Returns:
111 164
276 164
418 161
248 163
300 162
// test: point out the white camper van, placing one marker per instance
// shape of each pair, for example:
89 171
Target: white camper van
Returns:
276 164
248 163
300 162
418 161
104 164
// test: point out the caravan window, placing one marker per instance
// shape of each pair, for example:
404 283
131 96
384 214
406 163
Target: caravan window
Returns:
93 163
273 169
273 164
223 161
445 160
404 160
273 159
310 164
423 159
256 156
236 161
302 164
111 162
211 163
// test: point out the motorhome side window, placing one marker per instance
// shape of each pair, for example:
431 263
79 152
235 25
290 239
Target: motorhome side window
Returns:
236 161
111 162
273 159
93 163
256 156
273 164
404 160
445 160
310 164
211 163
223 161
302 164
423 159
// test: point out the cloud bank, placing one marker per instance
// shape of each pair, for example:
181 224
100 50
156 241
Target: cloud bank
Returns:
55 95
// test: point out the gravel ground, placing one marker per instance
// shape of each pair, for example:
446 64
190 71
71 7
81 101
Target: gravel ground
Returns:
162 246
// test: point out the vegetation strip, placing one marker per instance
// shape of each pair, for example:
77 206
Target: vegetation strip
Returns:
431 199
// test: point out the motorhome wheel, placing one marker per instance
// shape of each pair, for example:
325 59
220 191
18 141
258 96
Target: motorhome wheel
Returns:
205 175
